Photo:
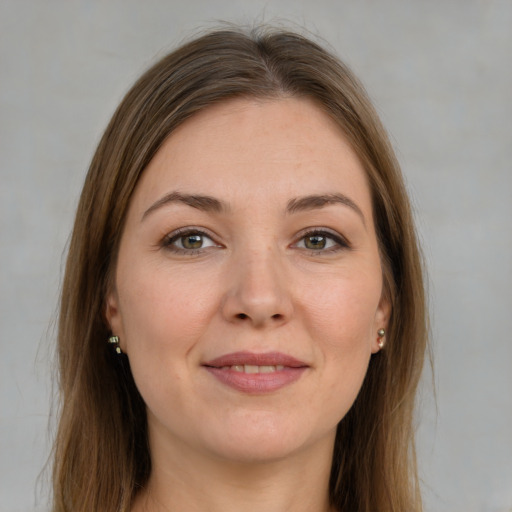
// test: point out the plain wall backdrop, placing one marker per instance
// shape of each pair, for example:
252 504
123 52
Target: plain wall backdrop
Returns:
440 74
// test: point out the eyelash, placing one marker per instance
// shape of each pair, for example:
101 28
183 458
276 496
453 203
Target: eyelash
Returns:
341 243
169 241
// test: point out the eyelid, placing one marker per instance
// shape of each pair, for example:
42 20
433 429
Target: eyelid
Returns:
341 241
168 240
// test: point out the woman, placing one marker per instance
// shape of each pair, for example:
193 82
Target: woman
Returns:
243 319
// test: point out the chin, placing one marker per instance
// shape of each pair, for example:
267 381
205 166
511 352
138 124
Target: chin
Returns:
257 451
264 440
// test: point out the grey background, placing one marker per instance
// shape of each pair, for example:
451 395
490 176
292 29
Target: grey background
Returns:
440 74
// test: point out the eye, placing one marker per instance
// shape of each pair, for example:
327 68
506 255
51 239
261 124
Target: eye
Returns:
321 241
188 241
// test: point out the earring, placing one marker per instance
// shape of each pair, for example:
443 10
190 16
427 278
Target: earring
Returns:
114 340
380 340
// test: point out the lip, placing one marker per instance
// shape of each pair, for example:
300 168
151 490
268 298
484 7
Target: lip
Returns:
263 359
256 383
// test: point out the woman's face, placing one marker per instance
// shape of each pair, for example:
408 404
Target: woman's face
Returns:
248 289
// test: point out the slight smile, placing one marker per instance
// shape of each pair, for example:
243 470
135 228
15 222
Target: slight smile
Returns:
253 373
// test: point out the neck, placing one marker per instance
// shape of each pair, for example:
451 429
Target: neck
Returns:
182 479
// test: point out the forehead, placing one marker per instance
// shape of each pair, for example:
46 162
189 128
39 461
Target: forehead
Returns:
251 149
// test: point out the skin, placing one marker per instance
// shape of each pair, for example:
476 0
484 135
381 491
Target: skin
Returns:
255 284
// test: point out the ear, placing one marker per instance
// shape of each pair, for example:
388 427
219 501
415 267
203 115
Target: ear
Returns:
113 315
382 316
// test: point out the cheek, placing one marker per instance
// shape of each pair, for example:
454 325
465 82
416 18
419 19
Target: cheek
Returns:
341 321
163 313
164 317
343 312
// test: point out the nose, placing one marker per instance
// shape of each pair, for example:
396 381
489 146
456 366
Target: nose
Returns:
258 291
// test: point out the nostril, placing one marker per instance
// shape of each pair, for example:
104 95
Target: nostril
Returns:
244 316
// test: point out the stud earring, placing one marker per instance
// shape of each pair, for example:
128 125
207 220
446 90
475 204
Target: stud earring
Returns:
114 340
380 340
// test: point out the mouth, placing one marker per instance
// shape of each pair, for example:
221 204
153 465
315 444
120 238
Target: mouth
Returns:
256 373
252 368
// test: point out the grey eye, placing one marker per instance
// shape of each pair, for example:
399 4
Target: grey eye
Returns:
190 241
318 242
315 242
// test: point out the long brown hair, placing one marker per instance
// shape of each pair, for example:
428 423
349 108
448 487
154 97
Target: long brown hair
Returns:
101 455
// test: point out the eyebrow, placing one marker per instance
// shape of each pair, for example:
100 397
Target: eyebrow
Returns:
211 204
201 202
314 202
